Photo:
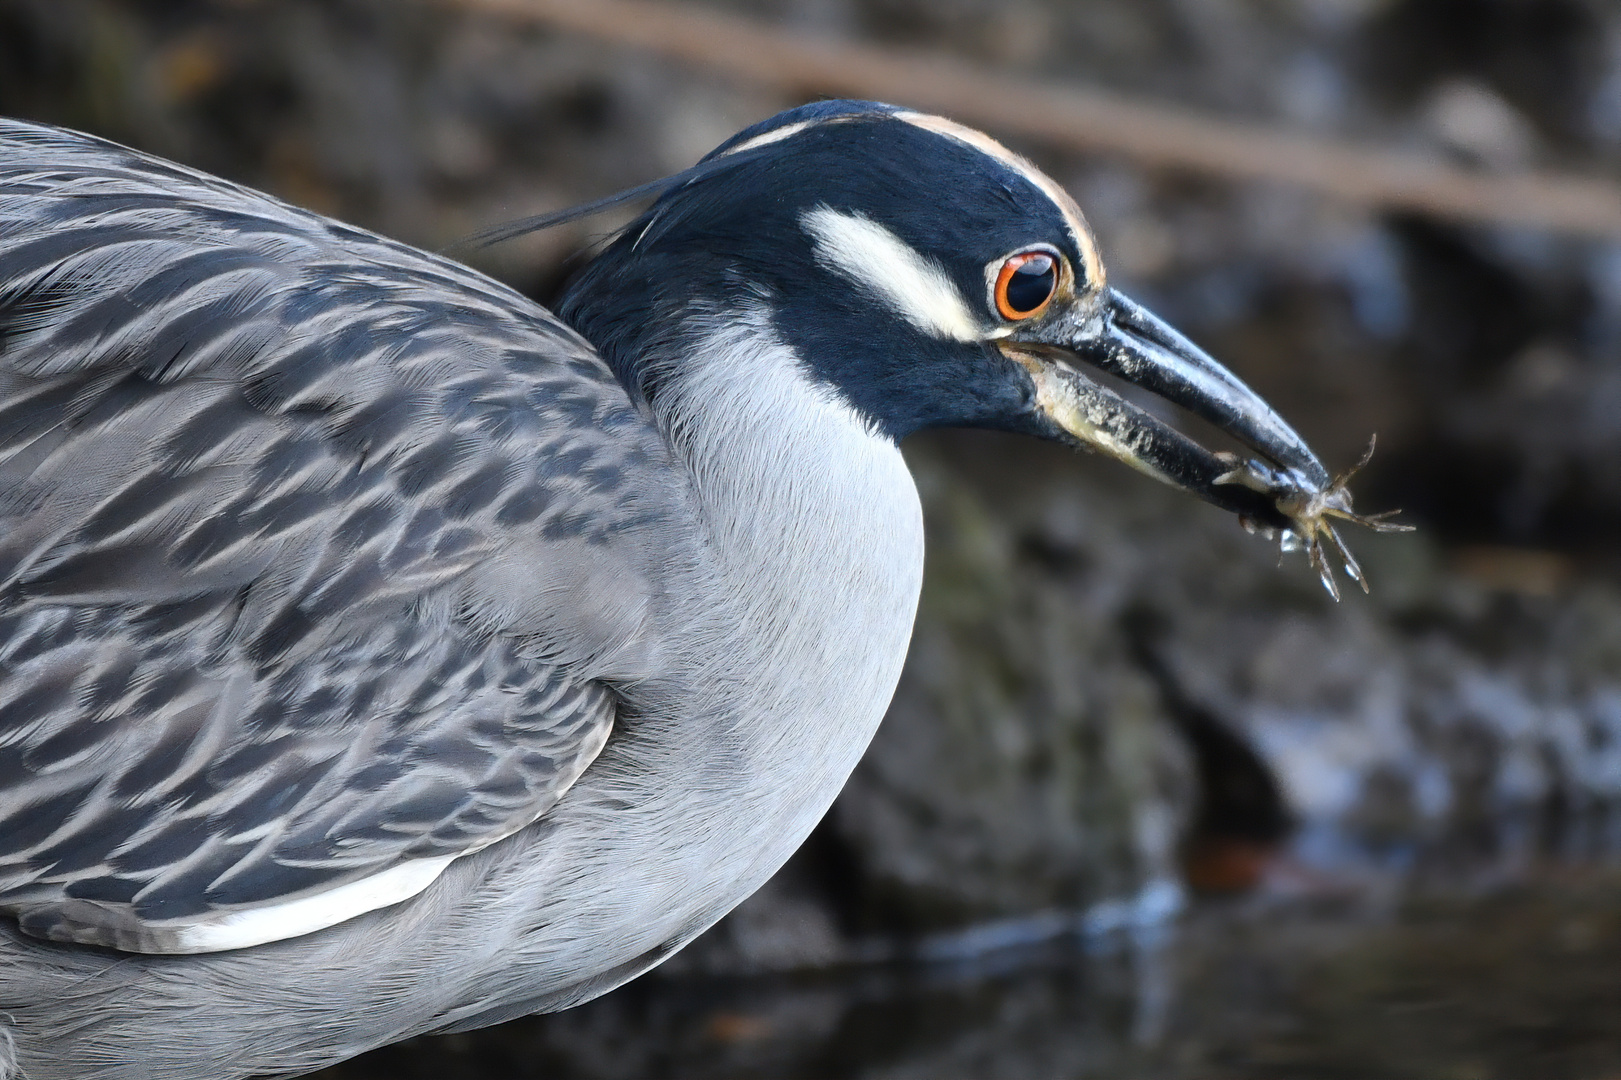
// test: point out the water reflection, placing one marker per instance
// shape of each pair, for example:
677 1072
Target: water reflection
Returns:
1508 973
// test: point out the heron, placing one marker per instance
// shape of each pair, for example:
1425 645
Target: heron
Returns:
382 653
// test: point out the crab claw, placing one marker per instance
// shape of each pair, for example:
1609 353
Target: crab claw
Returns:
1310 512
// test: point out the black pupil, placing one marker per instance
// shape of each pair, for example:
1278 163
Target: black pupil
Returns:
1031 283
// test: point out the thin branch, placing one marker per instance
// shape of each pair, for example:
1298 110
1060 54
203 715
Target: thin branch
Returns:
1145 132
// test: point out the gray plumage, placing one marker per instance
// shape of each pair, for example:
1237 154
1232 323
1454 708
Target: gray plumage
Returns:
378 656
303 526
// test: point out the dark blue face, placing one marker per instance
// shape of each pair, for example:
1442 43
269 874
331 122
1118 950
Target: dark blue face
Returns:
930 278
873 243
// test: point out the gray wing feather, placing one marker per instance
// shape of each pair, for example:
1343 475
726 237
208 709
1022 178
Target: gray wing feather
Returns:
316 552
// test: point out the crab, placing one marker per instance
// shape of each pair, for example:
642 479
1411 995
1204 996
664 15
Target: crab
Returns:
1312 511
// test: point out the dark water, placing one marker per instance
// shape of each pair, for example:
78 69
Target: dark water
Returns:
1513 979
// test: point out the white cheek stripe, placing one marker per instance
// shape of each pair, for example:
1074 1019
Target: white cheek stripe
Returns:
883 263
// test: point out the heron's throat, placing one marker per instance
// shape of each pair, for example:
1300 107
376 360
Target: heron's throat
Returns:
776 456
814 524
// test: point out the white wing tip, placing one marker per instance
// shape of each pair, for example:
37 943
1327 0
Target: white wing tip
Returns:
295 918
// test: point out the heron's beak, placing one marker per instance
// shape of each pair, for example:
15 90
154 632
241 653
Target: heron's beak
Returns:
1124 339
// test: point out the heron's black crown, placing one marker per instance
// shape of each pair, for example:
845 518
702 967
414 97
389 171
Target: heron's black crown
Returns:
861 235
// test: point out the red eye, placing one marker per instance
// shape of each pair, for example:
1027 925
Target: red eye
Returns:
1025 284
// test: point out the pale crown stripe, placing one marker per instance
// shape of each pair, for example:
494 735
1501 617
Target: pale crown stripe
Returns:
775 135
988 146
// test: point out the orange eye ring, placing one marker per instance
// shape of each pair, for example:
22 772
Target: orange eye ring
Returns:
1026 284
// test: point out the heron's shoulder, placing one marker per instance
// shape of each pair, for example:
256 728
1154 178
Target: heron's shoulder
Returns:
82 214
227 333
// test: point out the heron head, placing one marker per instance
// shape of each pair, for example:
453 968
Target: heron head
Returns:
931 278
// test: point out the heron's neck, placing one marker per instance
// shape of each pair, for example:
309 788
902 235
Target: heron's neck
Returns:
814 523
784 647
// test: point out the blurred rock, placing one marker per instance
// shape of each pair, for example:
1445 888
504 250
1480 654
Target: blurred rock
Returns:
1470 119
1025 762
1444 698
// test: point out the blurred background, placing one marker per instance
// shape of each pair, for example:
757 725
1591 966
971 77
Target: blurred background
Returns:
1148 803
